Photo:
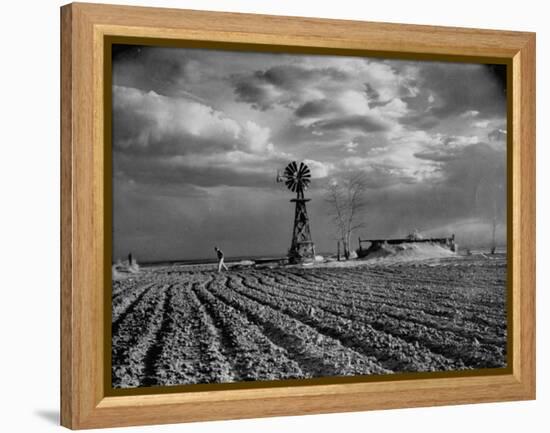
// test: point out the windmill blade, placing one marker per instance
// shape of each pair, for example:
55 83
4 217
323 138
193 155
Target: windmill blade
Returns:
303 170
291 184
294 167
296 177
289 173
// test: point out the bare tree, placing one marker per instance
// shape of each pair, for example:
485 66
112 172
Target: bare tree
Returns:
346 196
488 198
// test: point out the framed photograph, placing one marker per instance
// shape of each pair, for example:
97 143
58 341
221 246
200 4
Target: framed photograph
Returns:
265 215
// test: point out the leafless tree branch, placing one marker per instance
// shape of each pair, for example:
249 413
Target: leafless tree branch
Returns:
346 196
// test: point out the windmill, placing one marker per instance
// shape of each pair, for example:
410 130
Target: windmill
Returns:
297 179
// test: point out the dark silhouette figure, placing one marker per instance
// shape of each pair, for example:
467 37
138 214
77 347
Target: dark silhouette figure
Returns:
221 264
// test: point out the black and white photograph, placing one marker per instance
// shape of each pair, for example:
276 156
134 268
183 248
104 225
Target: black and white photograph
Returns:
284 216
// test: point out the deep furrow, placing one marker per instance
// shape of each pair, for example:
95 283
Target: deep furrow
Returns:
391 309
433 278
121 294
187 354
218 343
253 354
464 351
122 308
380 276
150 373
409 301
134 335
368 338
317 354
181 359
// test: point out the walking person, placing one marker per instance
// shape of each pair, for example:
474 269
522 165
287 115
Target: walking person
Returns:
221 264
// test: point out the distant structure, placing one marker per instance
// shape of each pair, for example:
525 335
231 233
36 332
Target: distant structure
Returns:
376 244
297 179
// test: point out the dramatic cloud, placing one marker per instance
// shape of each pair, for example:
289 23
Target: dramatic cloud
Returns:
284 85
352 123
199 135
466 91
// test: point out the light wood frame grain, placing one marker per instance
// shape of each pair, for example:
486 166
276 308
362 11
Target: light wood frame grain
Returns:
84 399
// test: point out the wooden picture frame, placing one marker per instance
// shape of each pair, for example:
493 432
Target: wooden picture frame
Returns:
85 213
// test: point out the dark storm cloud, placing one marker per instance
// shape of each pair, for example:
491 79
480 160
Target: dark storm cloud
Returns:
474 163
373 97
315 108
470 194
372 94
286 77
263 89
290 77
148 68
448 90
467 171
259 97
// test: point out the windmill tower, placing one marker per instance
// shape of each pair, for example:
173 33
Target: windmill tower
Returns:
297 179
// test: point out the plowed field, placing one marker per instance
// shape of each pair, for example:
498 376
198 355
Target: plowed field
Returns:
177 325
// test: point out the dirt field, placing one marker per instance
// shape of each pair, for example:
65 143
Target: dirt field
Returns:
185 325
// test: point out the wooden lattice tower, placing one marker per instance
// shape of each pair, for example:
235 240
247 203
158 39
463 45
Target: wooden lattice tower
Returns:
297 179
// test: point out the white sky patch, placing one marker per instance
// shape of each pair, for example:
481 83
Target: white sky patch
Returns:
481 124
377 150
402 149
392 110
353 102
351 146
462 140
470 114
319 169
257 138
356 162
173 116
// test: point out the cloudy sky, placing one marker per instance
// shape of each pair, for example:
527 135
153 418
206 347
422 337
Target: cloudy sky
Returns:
198 137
